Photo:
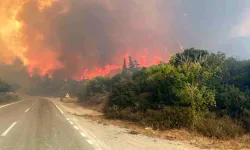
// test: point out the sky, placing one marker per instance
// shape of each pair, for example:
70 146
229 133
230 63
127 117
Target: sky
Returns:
85 38
216 25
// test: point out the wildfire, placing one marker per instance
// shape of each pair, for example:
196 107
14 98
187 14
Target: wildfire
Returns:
100 72
11 40
15 44
42 4
29 35
108 69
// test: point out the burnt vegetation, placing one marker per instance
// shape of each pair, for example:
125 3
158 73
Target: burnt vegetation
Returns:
196 90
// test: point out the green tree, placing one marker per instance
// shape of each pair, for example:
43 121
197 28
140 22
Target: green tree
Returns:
185 85
131 63
231 101
99 84
4 87
191 55
124 68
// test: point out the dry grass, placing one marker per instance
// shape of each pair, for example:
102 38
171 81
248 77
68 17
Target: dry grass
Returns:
97 102
177 135
182 135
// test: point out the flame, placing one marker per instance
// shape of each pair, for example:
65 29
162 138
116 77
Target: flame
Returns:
14 44
20 40
11 40
108 69
48 63
43 4
100 72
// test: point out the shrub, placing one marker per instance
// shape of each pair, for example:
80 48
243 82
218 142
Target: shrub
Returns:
99 84
231 101
222 128
169 117
8 97
125 114
124 95
245 119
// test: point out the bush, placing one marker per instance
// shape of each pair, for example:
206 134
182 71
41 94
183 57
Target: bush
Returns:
231 101
124 114
222 128
169 117
8 97
246 123
245 119
99 84
124 95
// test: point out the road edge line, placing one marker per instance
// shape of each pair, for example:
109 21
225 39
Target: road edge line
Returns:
2 106
57 107
88 136
78 127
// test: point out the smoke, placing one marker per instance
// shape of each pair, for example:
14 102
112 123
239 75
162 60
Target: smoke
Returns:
242 29
84 38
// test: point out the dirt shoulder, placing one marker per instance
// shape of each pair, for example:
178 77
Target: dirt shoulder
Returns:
117 134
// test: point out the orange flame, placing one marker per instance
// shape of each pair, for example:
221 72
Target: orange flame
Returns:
44 59
42 4
11 40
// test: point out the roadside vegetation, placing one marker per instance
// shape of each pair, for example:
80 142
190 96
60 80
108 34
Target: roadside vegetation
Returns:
7 93
196 90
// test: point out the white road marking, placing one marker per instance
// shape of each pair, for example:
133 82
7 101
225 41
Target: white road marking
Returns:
87 132
10 104
90 142
6 132
89 135
27 110
57 107
84 135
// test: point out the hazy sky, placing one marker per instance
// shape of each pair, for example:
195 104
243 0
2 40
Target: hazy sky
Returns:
218 25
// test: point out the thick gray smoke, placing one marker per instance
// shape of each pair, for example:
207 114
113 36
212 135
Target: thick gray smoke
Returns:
71 36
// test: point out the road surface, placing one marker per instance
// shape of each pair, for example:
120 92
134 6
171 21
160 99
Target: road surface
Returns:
37 124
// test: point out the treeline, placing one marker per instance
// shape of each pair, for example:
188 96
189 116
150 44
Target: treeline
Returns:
45 86
4 87
197 90
6 92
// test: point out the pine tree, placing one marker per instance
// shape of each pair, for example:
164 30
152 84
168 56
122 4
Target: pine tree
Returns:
124 65
131 63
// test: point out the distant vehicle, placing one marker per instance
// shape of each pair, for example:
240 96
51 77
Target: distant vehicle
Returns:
67 95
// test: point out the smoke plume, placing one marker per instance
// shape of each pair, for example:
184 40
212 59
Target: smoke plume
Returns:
84 38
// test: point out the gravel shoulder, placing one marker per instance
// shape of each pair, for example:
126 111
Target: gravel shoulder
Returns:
111 137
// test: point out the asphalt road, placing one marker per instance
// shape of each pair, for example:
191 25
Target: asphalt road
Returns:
37 124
